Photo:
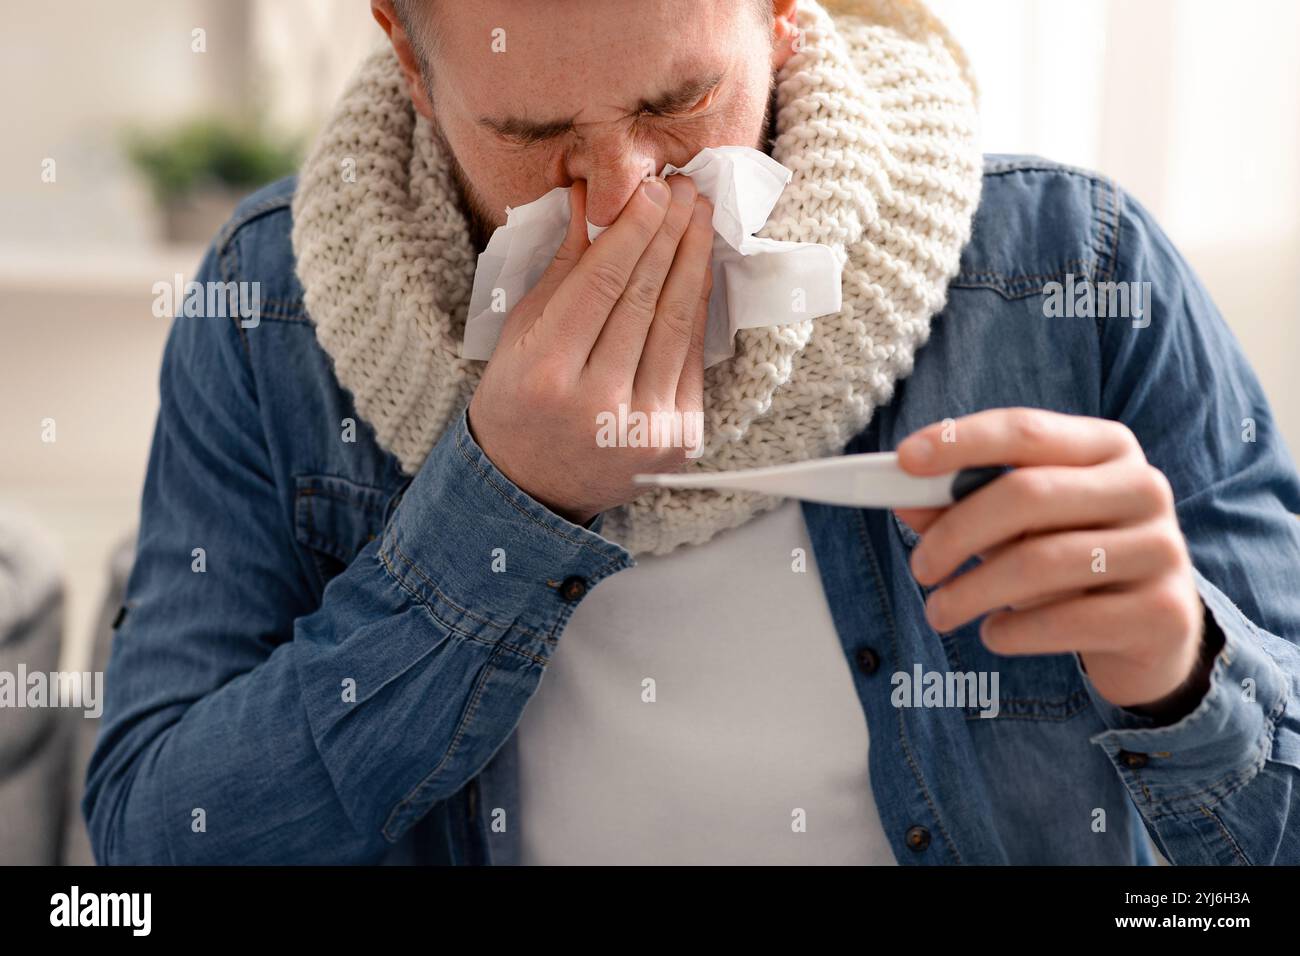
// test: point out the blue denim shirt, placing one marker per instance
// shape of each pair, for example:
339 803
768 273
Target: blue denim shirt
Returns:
229 734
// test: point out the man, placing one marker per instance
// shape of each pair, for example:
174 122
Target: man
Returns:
359 553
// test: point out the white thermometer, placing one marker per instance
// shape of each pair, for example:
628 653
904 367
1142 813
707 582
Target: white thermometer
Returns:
857 481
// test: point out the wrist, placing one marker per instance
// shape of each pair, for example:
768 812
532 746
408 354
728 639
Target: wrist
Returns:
1184 699
579 515
484 555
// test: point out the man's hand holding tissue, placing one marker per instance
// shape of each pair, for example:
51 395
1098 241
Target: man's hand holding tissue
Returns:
616 322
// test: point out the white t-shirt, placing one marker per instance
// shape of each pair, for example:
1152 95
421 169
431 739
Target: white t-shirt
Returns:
754 727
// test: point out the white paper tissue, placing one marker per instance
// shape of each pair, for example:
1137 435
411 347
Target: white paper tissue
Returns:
756 282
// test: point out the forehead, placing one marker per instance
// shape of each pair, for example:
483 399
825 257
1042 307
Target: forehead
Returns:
548 56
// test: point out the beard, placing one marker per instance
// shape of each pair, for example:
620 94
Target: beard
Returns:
477 214
472 206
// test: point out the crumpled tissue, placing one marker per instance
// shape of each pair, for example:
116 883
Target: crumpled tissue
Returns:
756 281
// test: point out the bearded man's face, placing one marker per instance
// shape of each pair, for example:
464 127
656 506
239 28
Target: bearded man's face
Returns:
529 95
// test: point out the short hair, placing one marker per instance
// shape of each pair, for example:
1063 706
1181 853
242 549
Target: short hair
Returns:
411 14
423 31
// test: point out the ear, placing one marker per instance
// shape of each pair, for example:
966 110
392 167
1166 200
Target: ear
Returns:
785 34
409 61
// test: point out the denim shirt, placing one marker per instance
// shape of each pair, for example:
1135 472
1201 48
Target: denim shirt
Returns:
342 680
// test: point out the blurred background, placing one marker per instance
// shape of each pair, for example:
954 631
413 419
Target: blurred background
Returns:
134 126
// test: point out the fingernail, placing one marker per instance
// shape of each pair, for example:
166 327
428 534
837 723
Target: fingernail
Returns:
658 192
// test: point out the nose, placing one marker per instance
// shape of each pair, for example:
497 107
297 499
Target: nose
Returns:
612 169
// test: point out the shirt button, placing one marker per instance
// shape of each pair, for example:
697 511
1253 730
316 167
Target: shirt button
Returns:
1133 761
918 838
868 661
572 588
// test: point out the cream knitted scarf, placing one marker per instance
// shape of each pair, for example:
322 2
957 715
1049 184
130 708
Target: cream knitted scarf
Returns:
876 117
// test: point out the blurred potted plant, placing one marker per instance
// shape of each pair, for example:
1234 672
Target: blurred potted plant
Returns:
200 169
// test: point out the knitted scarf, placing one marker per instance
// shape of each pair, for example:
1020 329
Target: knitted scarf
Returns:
876 117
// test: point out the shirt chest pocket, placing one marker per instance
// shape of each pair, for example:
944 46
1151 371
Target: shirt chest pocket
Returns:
1030 687
334 519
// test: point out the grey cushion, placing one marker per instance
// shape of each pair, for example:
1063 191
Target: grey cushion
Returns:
35 644
83 730
31 627
31 801
33 741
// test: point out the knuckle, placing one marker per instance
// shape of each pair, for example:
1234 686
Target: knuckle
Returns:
1032 485
542 387
1041 557
605 283
640 296
1029 426
1186 621
1125 438
1155 489
678 326
1168 600
1169 547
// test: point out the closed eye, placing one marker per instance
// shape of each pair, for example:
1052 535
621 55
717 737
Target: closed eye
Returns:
681 109
690 99
687 99
519 132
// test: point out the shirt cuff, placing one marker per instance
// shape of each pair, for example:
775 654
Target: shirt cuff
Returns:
486 557
1221 744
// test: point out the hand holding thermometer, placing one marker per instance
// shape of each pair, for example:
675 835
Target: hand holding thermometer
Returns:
857 481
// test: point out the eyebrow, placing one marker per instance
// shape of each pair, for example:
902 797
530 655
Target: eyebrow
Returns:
674 101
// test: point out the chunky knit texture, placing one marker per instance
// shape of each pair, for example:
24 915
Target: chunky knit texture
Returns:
877 119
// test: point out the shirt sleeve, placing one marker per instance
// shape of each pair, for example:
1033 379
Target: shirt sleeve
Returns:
247 722
1222 784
